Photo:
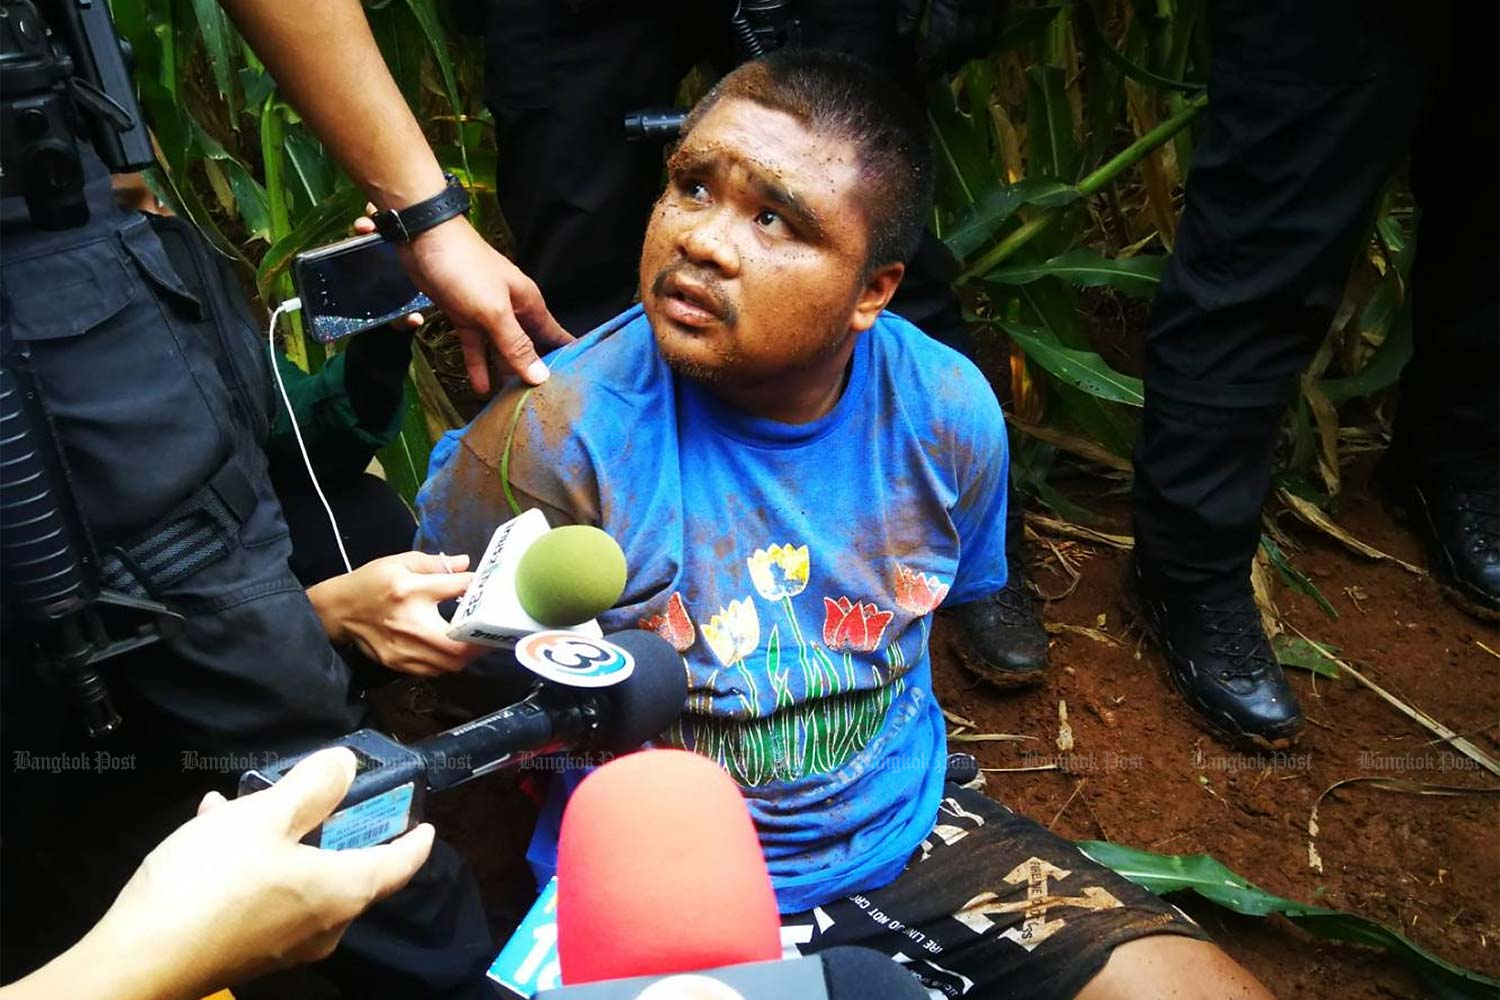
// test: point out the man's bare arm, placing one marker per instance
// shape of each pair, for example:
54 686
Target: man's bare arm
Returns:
328 66
471 495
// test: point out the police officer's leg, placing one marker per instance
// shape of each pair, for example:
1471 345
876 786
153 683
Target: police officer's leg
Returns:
1306 118
1445 453
559 79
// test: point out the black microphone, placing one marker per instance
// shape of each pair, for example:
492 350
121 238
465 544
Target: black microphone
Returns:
843 973
392 780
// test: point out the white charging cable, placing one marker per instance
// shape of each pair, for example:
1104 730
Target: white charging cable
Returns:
292 305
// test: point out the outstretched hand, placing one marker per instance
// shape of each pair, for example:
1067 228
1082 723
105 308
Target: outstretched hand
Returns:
486 297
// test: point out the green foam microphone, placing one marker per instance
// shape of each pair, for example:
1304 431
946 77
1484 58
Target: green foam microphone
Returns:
533 577
569 575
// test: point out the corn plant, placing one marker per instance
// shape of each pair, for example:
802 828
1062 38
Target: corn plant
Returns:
1061 157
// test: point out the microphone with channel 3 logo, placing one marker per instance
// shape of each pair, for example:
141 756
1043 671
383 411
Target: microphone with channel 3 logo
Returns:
603 695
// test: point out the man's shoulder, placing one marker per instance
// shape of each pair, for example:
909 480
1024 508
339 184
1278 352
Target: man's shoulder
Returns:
619 355
926 373
600 384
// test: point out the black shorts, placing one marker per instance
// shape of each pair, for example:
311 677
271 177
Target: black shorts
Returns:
993 905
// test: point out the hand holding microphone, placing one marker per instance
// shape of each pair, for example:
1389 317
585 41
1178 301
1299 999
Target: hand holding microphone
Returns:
388 609
591 693
532 577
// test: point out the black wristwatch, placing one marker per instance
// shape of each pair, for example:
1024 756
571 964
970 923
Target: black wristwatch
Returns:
403 225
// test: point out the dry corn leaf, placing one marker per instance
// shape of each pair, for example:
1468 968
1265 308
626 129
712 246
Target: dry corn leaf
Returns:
1059 628
1051 525
1073 444
987 737
959 720
1313 515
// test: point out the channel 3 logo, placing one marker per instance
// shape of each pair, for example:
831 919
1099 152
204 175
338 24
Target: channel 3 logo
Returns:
565 657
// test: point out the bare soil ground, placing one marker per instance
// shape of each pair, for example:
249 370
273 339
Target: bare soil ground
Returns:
1141 773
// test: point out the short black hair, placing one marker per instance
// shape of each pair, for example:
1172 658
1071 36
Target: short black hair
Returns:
838 95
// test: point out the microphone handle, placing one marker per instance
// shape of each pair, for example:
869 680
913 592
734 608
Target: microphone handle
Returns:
550 718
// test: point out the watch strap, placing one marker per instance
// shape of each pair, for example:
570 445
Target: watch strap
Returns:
402 225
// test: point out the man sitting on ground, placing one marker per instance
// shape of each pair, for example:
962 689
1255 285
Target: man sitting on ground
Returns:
798 479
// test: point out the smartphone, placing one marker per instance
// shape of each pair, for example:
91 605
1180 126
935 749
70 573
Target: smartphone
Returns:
353 286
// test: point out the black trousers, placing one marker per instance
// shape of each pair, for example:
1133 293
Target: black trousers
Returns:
559 79
1312 106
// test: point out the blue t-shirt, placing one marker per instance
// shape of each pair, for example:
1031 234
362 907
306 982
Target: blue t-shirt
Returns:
796 567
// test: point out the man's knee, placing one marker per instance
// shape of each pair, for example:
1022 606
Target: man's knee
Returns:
1170 966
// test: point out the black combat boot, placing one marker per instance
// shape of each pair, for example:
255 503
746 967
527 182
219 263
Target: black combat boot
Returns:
1000 637
1461 530
1219 660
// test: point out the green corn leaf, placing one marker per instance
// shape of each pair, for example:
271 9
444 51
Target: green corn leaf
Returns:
330 220
1383 368
1391 234
425 12
1207 877
1136 276
1295 651
1021 25
221 43
1388 311
311 164
474 168
1081 369
1053 147
405 459
1135 71
1104 87
257 85
272 149
985 219
962 155
1060 505
184 201
1294 577
978 89
1052 304
249 196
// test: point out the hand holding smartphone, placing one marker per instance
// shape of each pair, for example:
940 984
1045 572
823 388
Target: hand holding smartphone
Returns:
353 286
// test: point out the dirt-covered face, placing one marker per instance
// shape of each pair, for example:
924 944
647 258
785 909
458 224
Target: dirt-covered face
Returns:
754 263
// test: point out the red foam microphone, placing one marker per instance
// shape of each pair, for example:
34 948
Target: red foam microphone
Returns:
659 871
